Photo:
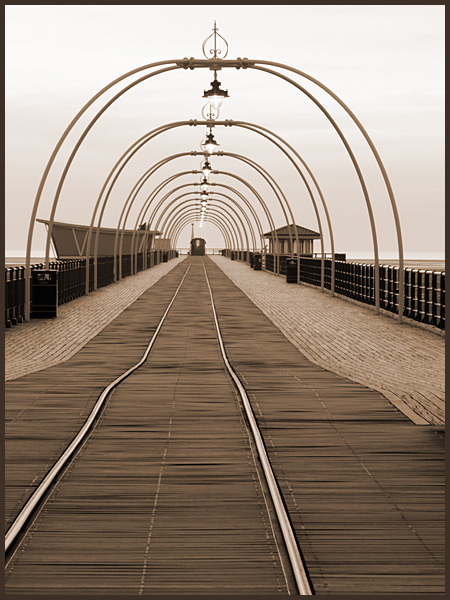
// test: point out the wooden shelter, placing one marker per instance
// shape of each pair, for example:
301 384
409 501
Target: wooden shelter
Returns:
281 244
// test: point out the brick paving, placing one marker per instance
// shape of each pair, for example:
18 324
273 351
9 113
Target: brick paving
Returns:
404 363
39 344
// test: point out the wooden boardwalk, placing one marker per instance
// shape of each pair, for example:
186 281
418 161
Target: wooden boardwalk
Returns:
165 496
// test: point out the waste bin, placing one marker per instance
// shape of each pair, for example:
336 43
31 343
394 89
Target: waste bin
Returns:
44 293
291 270
257 262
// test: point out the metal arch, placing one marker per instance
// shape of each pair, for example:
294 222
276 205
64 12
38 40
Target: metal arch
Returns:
160 203
254 214
163 225
242 124
211 218
55 153
258 129
247 203
216 203
142 180
248 126
191 213
244 199
140 216
153 215
191 200
249 223
258 197
181 226
277 258
80 141
150 198
132 196
401 270
178 230
157 224
51 161
238 234
147 137
272 183
244 63
264 173
360 177
234 230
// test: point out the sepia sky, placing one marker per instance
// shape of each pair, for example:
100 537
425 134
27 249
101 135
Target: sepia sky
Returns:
385 62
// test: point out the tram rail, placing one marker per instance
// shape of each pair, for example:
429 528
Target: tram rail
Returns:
37 500
50 479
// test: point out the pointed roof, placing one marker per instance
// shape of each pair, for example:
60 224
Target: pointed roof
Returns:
303 233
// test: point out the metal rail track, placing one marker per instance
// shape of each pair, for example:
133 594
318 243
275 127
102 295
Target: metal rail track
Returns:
290 541
19 525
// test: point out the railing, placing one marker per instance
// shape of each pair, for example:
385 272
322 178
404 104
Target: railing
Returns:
242 255
424 290
71 279
207 250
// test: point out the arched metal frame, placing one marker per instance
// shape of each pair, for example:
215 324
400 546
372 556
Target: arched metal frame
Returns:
272 183
210 218
190 201
172 202
153 214
175 212
144 178
187 218
252 127
178 228
226 208
217 64
180 225
142 214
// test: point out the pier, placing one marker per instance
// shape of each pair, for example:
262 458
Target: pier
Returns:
205 393
351 411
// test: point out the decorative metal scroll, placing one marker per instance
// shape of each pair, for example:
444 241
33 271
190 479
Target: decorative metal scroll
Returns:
215 51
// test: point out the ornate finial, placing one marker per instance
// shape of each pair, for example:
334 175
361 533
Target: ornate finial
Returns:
209 113
214 51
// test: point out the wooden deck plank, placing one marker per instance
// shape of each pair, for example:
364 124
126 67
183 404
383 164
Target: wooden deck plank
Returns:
167 482
363 485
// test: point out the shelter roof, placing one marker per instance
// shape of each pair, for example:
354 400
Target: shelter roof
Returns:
283 232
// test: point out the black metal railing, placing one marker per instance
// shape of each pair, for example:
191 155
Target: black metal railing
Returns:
424 290
71 279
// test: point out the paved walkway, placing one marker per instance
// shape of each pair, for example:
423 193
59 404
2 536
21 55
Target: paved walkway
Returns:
404 363
39 344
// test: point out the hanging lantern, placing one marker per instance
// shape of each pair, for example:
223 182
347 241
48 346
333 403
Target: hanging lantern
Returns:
215 95
204 185
206 168
209 144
